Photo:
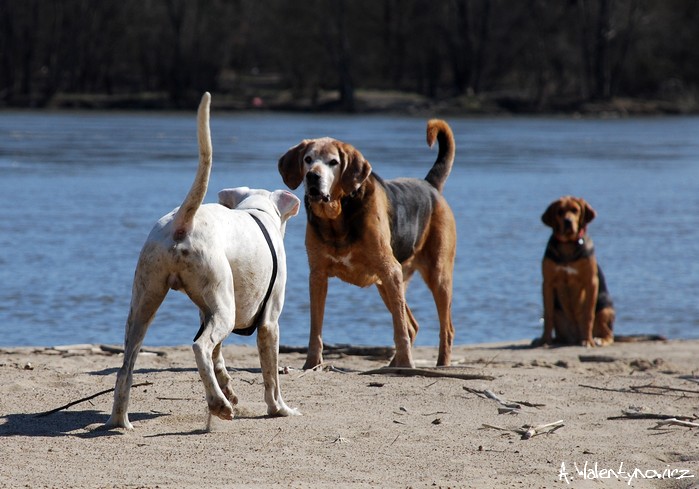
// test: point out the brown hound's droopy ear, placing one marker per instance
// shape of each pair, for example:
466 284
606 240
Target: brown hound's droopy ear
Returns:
588 213
355 169
549 217
291 165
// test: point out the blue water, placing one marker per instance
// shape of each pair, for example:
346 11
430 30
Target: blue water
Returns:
79 193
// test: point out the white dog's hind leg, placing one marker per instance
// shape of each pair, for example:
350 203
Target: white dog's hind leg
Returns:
224 380
146 298
215 329
268 349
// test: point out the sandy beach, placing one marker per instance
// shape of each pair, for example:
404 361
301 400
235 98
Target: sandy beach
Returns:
462 426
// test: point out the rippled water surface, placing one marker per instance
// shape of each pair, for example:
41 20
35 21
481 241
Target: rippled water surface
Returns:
79 193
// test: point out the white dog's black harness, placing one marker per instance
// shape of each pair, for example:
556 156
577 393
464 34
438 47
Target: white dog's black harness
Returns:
258 318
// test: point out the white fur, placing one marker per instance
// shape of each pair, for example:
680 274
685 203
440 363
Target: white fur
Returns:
223 263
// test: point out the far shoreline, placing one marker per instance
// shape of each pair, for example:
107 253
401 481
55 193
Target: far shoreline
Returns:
370 102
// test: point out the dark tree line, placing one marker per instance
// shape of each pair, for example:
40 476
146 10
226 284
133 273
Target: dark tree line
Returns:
533 53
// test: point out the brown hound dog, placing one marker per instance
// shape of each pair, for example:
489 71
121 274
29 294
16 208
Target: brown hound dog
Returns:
577 305
365 230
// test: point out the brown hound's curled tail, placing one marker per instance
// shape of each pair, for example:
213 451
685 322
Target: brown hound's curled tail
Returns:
185 214
439 130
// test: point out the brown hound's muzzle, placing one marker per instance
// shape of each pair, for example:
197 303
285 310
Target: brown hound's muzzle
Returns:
313 188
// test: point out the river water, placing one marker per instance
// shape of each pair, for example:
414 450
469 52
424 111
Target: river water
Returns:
80 191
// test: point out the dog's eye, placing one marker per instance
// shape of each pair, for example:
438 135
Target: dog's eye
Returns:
307 159
333 162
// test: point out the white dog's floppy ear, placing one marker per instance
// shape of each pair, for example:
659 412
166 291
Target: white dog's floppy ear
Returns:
231 197
287 203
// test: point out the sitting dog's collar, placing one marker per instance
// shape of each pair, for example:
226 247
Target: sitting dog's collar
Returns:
581 248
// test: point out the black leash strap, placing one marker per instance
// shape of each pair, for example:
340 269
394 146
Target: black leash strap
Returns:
258 319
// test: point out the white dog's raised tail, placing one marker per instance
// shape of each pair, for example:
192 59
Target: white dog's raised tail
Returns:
182 224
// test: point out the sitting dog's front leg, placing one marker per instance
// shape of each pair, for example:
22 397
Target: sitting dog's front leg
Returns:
268 349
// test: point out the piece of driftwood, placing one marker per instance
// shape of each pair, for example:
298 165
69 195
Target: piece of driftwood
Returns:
638 338
117 350
634 414
607 389
425 372
548 428
647 389
597 359
507 406
662 388
344 349
73 403
675 422
527 431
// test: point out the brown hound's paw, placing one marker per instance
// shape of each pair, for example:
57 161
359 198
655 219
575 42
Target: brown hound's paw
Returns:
312 362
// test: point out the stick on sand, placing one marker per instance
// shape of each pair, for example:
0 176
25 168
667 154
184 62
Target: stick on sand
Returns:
73 403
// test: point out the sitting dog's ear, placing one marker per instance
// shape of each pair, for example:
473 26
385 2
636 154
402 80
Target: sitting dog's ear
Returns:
355 169
587 214
549 217
231 197
290 164
287 203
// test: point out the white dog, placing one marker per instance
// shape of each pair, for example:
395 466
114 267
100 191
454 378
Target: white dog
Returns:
229 259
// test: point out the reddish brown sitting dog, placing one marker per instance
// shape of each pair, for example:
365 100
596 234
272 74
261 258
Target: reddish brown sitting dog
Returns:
366 231
577 305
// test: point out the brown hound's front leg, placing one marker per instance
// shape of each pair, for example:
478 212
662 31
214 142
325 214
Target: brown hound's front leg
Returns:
391 290
318 286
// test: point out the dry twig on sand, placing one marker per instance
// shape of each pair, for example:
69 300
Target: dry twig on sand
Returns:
528 431
636 413
425 372
342 349
117 350
73 403
674 422
648 389
662 388
507 406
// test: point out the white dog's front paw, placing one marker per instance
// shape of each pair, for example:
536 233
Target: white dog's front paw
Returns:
283 410
222 409
118 422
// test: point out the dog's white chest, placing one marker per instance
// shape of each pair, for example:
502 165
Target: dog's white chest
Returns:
345 260
567 270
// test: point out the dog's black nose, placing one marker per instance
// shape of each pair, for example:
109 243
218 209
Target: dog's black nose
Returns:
568 224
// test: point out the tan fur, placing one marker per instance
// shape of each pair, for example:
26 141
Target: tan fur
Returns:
369 259
574 285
